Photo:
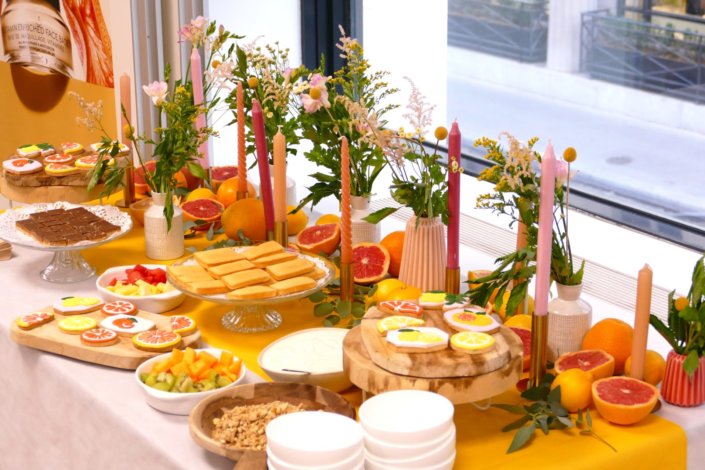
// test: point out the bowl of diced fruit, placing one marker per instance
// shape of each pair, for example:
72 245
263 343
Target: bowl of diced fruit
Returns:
144 285
176 382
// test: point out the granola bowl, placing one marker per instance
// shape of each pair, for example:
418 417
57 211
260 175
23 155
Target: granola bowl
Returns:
237 402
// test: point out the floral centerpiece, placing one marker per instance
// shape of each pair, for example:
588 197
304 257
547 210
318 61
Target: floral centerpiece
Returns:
562 267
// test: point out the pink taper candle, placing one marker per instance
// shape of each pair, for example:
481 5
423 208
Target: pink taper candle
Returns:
641 322
241 155
453 196
345 218
126 102
265 182
279 152
197 81
543 253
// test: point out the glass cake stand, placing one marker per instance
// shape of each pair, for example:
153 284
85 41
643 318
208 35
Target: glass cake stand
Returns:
67 264
256 315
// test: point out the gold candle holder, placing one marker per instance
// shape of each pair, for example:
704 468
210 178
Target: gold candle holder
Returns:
270 235
281 235
453 280
539 339
347 279
241 195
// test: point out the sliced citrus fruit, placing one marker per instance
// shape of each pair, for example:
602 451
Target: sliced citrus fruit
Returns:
623 400
613 336
319 239
206 210
525 336
596 361
370 262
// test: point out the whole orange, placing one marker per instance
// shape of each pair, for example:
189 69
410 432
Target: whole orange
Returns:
654 367
246 215
613 336
295 222
227 191
394 243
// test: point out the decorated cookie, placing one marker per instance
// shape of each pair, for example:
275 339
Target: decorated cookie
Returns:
58 158
419 339
472 342
99 337
60 169
182 325
454 302
400 307
21 166
75 305
432 300
76 325
72 148
28 151
471 319
123 148
45 149
156 340
118 307
33 320
127 325
87 162
396 322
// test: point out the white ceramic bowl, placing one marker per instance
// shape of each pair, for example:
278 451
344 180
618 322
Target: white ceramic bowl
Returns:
178 403
313 438
445 465
354 462
381 450
406 416
316 353
150 303
435 456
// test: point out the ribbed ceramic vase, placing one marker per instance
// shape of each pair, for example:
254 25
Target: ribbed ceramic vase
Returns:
423 260
679 389
160 243
569 318
363 231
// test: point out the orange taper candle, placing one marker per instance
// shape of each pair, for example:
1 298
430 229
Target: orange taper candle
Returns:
279 157
345 222
241 155
641 322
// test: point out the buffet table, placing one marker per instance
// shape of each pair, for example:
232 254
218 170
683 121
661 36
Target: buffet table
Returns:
62 413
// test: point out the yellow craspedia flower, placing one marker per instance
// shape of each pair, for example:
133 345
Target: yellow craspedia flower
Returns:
441 133
315 93
215 63
680 303
253 82
127 131
570 155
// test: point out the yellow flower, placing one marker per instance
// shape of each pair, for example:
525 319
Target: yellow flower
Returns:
441 133
253 82
215 63
680 303
570 155
315 93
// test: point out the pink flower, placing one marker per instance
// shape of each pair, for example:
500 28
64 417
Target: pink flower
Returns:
317 95
195 30
156 91
562 175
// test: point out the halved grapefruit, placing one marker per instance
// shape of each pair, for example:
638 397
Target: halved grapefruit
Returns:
525 336
370 262
319 239
623 400
141 187
222 173
596 361
206 210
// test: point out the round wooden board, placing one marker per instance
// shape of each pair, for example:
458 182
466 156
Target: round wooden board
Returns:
439 364
33 194
373 379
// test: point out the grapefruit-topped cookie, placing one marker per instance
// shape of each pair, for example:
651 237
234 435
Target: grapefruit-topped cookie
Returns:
182 325
472 318
76 325
400 307
156 340
76 305
99 337
119 307
418 339
124 149
72 148
60 169
58 158
21 166
396 322
127 325
472 342
33 320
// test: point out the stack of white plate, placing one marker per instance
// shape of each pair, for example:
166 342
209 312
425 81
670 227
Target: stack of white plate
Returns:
408 429
314 440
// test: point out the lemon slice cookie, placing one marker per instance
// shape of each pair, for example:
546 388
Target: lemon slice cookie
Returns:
76 325
472 342
418 339
396 322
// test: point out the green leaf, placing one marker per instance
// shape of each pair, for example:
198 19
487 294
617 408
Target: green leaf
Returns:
331 320
555 395
510 408
565 421
317 297
377 216
321 310
516 424
543 424
344 307
521 437
691 363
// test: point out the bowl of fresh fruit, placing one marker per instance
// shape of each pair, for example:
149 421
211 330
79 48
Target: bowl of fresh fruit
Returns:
176 382
144 285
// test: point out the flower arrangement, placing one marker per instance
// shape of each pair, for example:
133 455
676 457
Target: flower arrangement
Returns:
686 321
562 268
352 106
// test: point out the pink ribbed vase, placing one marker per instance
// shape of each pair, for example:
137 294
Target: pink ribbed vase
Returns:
679 389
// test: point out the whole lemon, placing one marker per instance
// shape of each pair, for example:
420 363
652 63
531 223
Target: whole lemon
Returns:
576 389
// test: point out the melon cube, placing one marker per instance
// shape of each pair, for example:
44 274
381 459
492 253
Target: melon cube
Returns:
226 358
235 366
189 355
207 358
162 366
197 368
177 355
179 368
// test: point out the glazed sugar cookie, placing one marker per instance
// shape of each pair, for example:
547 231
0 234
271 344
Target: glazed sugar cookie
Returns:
45 149
33 320
400 307
432 300
472 342
21 166
182 325
469 319
127 325
99 337
72 148
76 325
123 148
418 339
60 169
119 307
156 340
28 151
396 322
75 305
59 158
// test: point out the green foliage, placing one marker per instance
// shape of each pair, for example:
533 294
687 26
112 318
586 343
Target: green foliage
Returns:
333 310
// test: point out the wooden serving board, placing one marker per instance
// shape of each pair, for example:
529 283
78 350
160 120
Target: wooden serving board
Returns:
32 194
438 364
40 178
122 355
371 378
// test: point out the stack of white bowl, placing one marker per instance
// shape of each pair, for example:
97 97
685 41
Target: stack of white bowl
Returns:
408 429
314 440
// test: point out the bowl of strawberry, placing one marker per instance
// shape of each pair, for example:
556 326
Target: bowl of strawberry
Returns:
144 285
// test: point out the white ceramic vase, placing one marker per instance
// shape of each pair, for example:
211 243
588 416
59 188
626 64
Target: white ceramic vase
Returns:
160 243
363 231
569 318
423 260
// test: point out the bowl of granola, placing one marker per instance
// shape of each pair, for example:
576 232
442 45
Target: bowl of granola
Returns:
231 422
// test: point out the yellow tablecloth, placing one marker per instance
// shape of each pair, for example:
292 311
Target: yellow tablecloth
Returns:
653 443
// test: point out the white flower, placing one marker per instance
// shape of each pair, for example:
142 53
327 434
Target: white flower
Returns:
562 174
156 91
220 76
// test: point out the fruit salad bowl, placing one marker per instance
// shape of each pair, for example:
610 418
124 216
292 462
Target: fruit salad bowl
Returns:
178 402
155 303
